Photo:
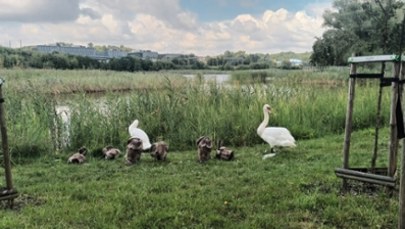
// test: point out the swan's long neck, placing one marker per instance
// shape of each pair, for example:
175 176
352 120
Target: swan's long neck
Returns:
263 125
135 123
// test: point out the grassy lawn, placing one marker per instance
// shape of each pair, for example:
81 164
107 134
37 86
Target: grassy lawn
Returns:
295 189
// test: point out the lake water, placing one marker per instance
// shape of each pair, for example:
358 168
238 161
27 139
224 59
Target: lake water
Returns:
217 78
64 111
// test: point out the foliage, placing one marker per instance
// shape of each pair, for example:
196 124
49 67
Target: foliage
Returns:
285 56
359 27
240 60
24 58
27 58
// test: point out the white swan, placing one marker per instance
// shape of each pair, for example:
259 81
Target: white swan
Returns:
275 136
135 132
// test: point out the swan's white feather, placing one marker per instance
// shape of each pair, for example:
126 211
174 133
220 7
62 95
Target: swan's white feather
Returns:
274 136
136 132
278 136
269 155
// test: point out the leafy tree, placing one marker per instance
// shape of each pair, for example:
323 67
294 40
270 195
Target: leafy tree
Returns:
360 27
147 65
9 61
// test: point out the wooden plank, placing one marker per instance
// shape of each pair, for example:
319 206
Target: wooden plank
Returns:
371 59
367 180
378 170
367 75
350 172
9 196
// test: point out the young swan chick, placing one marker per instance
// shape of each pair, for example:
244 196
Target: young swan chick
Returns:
224 153
159 151
204 145
79 157
110 152
134 150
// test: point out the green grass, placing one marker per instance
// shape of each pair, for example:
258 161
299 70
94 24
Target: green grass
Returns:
295 189
309 104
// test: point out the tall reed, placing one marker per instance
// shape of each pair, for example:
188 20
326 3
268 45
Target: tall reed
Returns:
179 115
30 122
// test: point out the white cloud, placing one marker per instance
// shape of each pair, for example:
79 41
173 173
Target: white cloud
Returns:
318 9
160 25
110 23
38 10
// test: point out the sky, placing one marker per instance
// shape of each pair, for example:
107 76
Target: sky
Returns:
201 27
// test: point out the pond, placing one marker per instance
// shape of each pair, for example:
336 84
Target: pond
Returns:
64 110
217 78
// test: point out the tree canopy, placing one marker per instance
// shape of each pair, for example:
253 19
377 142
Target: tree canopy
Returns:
362 27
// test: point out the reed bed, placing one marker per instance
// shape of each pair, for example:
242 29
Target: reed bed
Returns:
50 81
179 115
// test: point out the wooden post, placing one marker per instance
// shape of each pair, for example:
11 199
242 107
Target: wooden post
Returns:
349 121
392 156
401 214
4 139
402 77
377 123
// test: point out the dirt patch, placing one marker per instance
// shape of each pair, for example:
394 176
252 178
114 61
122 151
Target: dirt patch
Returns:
362 188
20 202
317 186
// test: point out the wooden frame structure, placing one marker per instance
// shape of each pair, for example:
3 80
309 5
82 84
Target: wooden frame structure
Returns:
381 176
7 193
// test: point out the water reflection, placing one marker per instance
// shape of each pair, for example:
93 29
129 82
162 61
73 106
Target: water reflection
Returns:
64 114
64 111
217 78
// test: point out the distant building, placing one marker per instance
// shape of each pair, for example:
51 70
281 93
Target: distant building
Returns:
113 53
234 60
81 51
144 55
202 59
72 50
169 56
296 63
289 64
